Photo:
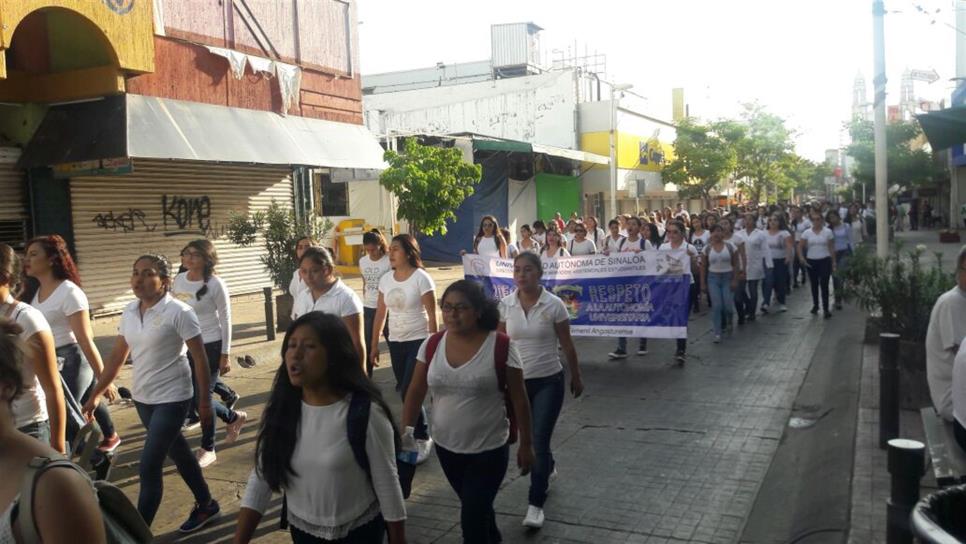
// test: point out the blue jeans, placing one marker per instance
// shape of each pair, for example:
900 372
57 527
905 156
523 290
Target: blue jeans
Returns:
79 378
39 430
776 279
841 261
546 399
722 299
163 423
403 357
476 479
218 410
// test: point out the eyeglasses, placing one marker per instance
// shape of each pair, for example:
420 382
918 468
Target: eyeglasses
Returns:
190 254
458 308
487 224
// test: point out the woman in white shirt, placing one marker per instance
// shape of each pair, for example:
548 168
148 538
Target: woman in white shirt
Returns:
511 249
489 240
595 233
157 330
676 241
468 393
799 224
536 320
755 245
306 452
373 266
843 250
540 232
408 294
698 236
64 506
207 294
581 245
818 243
527 242
554 246
328 294
297 286
39 410
780 251
719 278
614 243
53 287
634 243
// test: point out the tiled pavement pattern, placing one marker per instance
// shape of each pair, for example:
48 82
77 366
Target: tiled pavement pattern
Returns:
652 452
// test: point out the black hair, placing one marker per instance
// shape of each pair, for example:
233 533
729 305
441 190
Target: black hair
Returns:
279 430
9 267
487 309
162 264
497 233
375 238
538 224
411 247
319 255
210 255
613 222
11 356
532 257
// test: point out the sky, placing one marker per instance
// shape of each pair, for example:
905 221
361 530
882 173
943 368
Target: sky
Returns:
797 58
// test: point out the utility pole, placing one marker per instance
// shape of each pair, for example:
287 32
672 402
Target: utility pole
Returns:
881 173
614 89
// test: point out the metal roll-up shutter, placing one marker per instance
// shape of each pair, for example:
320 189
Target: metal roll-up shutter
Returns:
13 202
160 207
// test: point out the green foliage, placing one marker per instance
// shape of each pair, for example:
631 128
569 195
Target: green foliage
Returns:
702 158
901 289
763 145
430 183
279 231
905 164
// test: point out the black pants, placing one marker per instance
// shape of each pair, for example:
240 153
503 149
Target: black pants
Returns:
746 299
960 433
476 479
798 270
819 274
373 532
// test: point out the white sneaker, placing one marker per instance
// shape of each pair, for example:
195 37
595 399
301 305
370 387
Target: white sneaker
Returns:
717 339
205 457
642 352
534 518
423 449
235 427
784 308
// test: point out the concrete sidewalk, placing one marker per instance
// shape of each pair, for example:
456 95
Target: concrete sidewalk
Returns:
652 452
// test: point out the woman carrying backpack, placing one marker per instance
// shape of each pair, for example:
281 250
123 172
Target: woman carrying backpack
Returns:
470 372
537 320
304 452
157 330
54 488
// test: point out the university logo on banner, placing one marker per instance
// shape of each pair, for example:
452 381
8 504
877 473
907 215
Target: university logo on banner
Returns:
624 294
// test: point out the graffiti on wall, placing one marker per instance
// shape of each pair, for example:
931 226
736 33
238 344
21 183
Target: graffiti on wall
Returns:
178 215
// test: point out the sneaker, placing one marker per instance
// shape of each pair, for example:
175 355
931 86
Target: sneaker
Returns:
534 519
234 428
108 445
642 351
200 516
764 309
190 424
231 401
717 339
750 318
828 314
423 449
783 308
205 458
618 354
680 357
814 310
246 362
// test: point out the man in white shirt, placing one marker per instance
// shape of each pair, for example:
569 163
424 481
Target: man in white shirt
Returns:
947 328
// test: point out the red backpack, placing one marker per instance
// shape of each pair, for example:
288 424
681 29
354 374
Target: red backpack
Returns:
502 353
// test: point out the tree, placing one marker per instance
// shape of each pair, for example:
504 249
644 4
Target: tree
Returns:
906 165
430 183
702 158
762 148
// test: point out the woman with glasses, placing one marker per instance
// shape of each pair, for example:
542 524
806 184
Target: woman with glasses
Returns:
489 240
468 395
408 294
207 294
581 245
676 241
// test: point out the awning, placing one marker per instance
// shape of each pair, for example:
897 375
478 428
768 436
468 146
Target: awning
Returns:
944 128
158 128
485 143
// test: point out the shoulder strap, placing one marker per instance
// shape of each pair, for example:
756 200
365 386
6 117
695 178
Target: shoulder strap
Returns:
620 245
36 467
571 246
357 427
431 346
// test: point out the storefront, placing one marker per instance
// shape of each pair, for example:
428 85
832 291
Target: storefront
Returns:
13 209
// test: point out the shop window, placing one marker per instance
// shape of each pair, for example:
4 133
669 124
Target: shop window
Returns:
13 233
331 199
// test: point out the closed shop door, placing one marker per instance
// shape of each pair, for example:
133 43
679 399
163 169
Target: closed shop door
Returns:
13 202
159 208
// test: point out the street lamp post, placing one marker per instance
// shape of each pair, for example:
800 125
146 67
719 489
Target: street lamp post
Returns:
879 132
614 89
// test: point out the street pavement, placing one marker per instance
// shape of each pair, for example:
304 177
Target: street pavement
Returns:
651 453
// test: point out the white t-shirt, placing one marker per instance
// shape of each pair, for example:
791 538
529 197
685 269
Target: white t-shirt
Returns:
947 327
800 227
561 252
339 300
720 261
817 243
31 405
468 408
213 310
615 246
756 253
597 237
958 392
158 350
701 240
372 272
777 244
408 319
512 250
534 246
66 300
533 333
332 494
843 237
295 288
692 252
587 247
641 244
540 237
487 247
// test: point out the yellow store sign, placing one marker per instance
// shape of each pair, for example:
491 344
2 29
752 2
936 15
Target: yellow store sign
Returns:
634 152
